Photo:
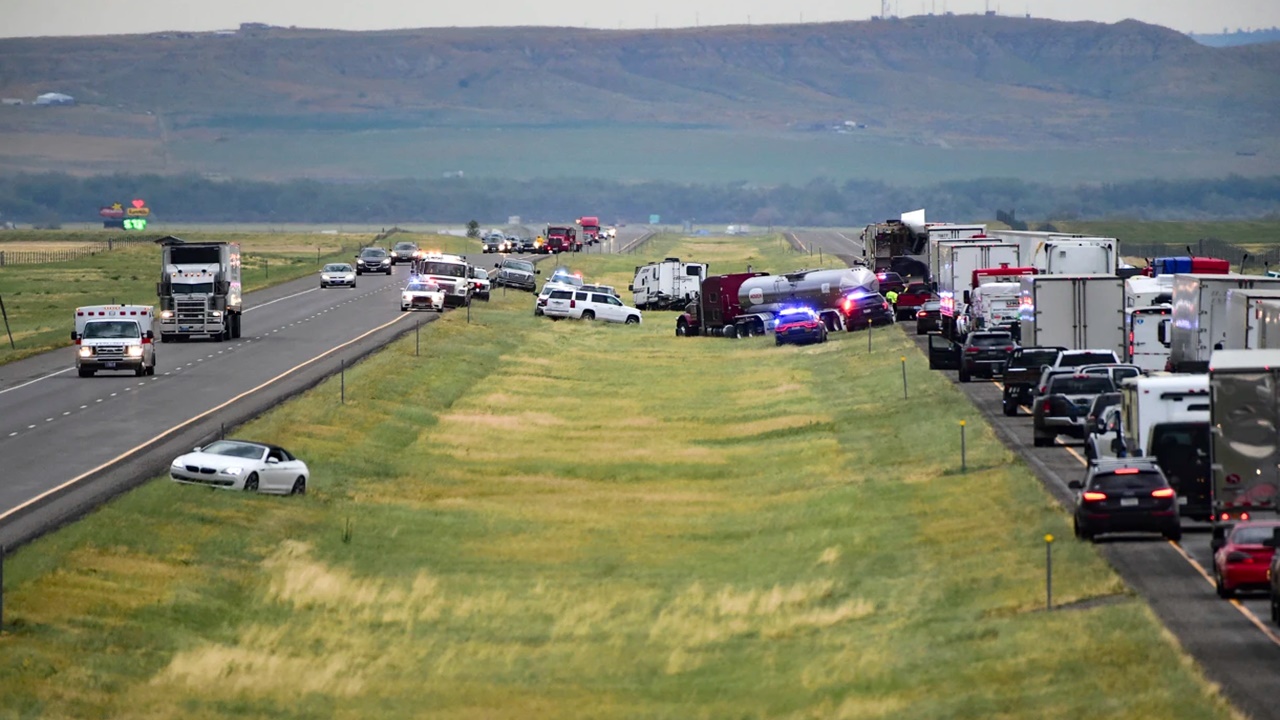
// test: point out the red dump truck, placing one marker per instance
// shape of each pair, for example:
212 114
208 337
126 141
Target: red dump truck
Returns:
561 238
590 229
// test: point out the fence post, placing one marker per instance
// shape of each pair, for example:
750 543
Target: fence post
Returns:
6 321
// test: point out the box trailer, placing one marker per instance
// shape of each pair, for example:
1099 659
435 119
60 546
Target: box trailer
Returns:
1244 317
1200 316
1245 448
1077 312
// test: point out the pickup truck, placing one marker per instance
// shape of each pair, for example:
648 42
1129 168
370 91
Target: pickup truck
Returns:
911 298
1022 374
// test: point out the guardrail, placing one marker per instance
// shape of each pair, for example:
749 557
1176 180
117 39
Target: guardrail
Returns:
632 246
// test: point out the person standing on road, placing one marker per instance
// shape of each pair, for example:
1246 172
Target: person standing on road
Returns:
892 297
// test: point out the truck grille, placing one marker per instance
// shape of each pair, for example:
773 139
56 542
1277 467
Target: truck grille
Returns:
189 311
109 352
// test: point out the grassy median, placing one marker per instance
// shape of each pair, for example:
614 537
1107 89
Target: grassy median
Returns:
39 299
566 519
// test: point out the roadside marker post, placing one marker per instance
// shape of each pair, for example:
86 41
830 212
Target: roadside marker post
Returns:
6 324
1048 572
868 337
904 377
2 553
963 466
342 381
417 343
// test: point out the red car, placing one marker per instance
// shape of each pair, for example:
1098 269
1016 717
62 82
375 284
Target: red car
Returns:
799 325
1241 563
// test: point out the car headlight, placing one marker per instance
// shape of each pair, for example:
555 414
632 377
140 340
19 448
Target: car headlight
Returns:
166 314
386 261
395 254
135 351
216 313
86 351
406 297
233 471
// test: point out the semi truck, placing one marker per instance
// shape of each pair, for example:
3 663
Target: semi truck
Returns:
1145 291
561 238
1077 312
1167 417
671 283
1245 315
199 290
993 302
959 260
1199 316
746 304
1147 336
1245 444
590 229
115 337
906 245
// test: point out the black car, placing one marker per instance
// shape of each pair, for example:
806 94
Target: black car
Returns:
403 252
372 259
1022 374
929 317
1123 496
985 353
863 311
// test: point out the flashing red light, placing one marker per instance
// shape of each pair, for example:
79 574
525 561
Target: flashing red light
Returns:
1162 493
1045 407
1128 471
1244 516
1092 496
848 306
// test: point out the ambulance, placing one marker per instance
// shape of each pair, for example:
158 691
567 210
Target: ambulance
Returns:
115 337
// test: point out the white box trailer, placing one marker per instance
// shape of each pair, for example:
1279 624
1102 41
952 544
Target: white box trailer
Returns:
937 241
958 261
1166 418
1053 253
1200 316
1244 317
1077 312
1245 442
1269 325
1143 291
1148 336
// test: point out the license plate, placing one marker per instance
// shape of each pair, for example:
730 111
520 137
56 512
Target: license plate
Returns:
1182 500
1128 502
109 364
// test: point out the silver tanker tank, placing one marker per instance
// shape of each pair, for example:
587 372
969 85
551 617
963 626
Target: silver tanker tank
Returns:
818 289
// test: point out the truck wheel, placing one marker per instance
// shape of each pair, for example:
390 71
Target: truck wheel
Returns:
85 372
166 337
1010 409
731 331
235 325
1041 441
152 370
140 371
682 328
964 375
633 320
1223 591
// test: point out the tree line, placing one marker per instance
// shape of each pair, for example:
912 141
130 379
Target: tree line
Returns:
51 198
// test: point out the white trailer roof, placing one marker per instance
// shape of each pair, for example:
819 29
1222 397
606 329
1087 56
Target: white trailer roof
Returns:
1244 360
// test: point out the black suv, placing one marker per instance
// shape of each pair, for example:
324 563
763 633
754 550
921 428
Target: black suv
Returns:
403 252
985 353
863 311
372 259
1131 495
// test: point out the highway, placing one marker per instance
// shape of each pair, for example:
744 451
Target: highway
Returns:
1233 641
67 443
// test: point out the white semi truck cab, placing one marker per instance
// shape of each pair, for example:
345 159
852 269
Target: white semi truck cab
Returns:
199 290
114 337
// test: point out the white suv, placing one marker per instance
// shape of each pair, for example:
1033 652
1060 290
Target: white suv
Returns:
594 305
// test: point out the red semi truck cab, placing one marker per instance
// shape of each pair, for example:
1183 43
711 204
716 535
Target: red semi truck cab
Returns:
561 239
590 228
716 305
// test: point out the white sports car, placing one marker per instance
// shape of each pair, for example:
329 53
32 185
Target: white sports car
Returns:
422 295
240 465
338 274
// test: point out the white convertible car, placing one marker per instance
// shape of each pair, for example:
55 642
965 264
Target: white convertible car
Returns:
422 295
240 465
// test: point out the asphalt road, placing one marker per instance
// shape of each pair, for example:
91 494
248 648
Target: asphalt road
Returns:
1233 640
67 443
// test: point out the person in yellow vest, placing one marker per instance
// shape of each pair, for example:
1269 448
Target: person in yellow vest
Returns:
892 297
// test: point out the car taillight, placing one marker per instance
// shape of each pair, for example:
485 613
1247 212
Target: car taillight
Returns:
971 350
884 306
919 314
1092 496
848 306
1045 407
1162 493
573 303
1008 348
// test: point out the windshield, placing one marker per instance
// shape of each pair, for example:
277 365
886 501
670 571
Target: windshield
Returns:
192 288
1137 481
197 255
111 329
798 315
406 246
231 448
1085 358
518 265
337 268
373 253
444 268
422 287
481 274
993 340
1252 534
1071 385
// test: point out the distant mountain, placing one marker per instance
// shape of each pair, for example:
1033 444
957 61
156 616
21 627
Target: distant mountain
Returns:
950 81
1239 37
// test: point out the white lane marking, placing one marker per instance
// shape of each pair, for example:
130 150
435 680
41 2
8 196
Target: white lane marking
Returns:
98 400
33 382
66 412
273 302
83 407
114 394
197 418
12 434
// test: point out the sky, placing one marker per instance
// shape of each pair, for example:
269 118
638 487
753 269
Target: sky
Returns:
28 18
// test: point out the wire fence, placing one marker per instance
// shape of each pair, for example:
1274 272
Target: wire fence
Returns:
64 254
1207 247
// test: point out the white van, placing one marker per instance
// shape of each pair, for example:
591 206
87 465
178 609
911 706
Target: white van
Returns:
115 337
1149 401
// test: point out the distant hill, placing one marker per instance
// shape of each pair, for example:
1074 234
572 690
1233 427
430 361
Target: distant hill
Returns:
1239 37
951 82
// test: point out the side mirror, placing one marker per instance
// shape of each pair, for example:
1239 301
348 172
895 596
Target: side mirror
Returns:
273 461
195 449
75 335
151 335
1075 485
1219 538
966 297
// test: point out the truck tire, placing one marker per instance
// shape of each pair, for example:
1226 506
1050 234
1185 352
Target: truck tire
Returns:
140 371
682 328
85 372
1041 441
1010 408
236 326
633 320
731 331
964 375
152 370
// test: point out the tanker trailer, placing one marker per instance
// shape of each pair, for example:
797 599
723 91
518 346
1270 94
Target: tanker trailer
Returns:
821 290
